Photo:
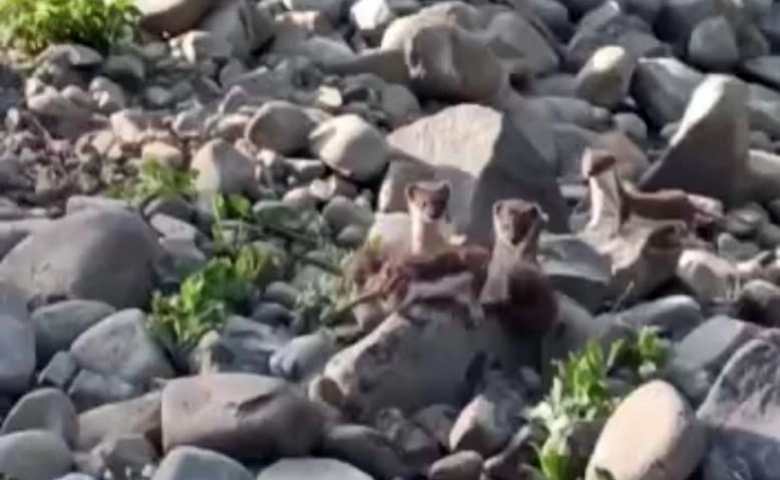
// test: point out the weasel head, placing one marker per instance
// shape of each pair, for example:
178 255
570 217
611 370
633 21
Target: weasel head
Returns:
517 222
427 200
596 162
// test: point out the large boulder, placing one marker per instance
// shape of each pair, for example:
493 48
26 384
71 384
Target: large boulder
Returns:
241 415
634 445
96 254
662 88
34 455
712 138
741 413
485 157
407 363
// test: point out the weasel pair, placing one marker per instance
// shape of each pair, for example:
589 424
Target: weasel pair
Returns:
508 281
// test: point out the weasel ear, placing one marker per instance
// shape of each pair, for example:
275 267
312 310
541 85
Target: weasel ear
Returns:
409 192
497 207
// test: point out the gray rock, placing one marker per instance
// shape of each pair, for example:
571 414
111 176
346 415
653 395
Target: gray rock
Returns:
59 324
121 345
276 420
418 448
764 70
190 463
103 242
59 371
662 87
122 457
342 212
633 445
139 416
715 116
222 168
322 468
73 55
758 303
92 389
400 105
477 149
126 69
365 448
675 316
303 356
34 455
17 355
172 16
741 414
351 147
280 126
244 26
606 78
712 45
464 465
576 269
375 372
13 232
333 9
44 409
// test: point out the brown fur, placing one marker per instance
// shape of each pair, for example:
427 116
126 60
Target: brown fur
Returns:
670 204
517 292
427 202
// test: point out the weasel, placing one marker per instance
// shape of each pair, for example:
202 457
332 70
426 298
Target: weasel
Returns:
427 202
599 166
516 291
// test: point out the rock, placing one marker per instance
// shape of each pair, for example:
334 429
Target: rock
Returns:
712 45
44 409
418 448
576 269
631 125
59 372
333 9
13 232
662 87
757 303
511 36
606 78
121 345
464 465
107 95
106 241
241 24
322 468
139 416
126 69
92 389
342 212
763 70
374 372
303 356
71 54
221 168
745 221
714 116
284 424
674 316
59 324
400 105
172 16
366 449
280 126
371 16
695 362
199 46
740 412
17 354
485 157
164 153
190 463
633 445
34 455
708 276
487 423
351 147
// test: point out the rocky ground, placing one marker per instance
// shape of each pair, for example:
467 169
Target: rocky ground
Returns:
175 216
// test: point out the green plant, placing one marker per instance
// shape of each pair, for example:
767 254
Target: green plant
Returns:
645 354
207 297
32 25
156 180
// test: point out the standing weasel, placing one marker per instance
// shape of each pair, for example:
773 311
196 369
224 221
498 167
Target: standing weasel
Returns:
517 292
427 202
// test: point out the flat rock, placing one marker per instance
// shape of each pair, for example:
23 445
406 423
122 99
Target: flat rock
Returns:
121 345
277 420
320 468
44 409
633 445
34 455
741 414
190 463
59 324
485 157
713 136
100 243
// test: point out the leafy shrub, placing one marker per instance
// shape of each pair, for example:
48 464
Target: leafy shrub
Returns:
32 25
156 180
207 297
580 393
